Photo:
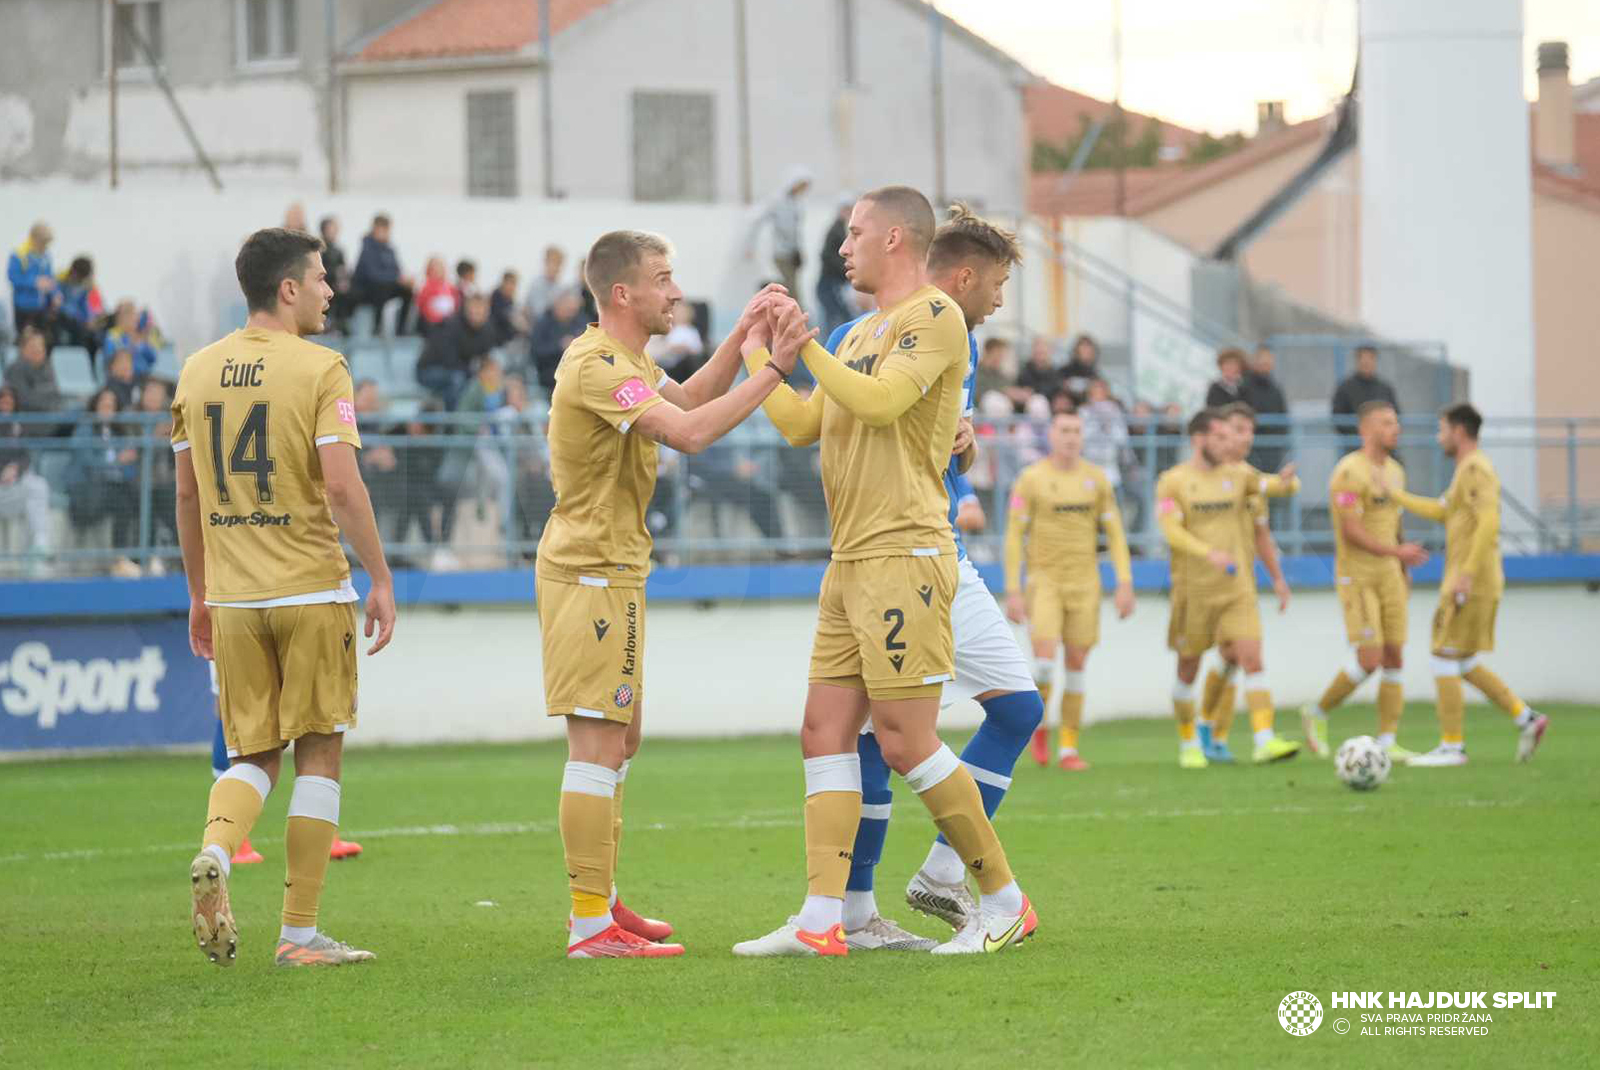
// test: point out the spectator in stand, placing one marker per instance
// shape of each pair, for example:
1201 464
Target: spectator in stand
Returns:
785 213
33 281
130 333
833 288
995 373
32 377
155 399
1062 403
338 269
545 285
732 475
120 379
438 299
378 279
1105 432
1039 377
454 349
553 333
535 496
678 352
1360 388
1171 430
81 308
380 465
23 492
1228 387
419 466
1082 369
1262 393
294 218
466 279
103 480
509 322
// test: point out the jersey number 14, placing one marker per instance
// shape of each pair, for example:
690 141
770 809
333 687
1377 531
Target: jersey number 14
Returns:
249 456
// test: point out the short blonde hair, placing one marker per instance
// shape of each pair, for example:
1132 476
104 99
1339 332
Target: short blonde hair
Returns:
616 256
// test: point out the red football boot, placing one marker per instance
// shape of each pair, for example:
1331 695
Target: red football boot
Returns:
1041 745
246 854
343 849
618 943
649 928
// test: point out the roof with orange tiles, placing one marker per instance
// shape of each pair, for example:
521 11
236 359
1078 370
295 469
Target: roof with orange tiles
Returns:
456 28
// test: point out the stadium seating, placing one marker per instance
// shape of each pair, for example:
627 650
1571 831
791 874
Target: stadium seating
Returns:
167 365
74 371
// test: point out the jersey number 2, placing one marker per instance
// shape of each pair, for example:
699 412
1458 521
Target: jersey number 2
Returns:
249 456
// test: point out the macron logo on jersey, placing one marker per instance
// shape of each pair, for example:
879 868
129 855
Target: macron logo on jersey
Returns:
633 392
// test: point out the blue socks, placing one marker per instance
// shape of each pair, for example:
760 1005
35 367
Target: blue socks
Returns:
219 752
874 827
992 754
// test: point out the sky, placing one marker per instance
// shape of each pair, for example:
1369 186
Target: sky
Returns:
1205 63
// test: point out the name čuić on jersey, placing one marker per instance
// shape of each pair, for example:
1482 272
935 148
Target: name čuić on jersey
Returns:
257 519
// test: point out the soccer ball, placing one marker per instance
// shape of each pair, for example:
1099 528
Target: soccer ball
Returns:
1362 763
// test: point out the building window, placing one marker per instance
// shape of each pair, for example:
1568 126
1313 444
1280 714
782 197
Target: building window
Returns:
492 144
268 30
131 21
673 142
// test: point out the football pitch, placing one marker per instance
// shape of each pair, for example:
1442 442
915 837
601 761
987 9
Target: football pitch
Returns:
1176 912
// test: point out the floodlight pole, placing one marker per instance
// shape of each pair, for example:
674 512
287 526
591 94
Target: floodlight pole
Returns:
546 107
111 81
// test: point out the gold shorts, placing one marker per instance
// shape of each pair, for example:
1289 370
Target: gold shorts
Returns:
883 624
593 643
284 672
1200 622
1375 611
1462 630
1057 612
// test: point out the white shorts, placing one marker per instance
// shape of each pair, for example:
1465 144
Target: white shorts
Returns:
987 655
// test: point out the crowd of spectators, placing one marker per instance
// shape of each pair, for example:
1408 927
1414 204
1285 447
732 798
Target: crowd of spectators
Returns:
486 359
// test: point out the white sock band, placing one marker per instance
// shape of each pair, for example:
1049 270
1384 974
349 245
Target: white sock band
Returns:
1043 670
934 770
622 773
1446 666
1182 692
1354 670
1468 664
1393 676
1255 681
253 775
586 778
316 797
1074 681
833 772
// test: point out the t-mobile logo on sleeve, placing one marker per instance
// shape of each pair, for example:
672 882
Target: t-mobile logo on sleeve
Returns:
633 392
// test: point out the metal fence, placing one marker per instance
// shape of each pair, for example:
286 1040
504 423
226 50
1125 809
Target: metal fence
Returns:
81 496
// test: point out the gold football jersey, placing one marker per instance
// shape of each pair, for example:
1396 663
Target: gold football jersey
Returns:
1062 512
603 475
1472 500
1352 490
885 485
1216 507
252 409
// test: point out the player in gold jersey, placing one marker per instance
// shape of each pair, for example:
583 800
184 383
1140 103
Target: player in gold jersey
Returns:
1201 505
886 411
611 408
1469 594
264 432
1371 560
1059 507
1217 696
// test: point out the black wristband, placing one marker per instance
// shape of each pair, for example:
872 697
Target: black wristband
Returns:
783 377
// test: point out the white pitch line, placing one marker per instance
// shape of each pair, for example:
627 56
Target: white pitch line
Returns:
537 828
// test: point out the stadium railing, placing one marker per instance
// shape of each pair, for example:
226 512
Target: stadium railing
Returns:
458 492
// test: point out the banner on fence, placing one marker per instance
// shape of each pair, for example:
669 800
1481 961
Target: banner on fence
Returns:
116 684
1168 364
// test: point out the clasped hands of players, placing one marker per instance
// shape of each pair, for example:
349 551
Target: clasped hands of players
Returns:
1411 554
775 321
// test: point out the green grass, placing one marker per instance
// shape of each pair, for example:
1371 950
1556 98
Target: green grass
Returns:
1176 911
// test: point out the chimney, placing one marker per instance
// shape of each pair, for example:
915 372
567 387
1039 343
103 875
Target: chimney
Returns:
1269 117
1554 123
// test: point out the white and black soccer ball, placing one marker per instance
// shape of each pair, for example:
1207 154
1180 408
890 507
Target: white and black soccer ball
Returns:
1362 763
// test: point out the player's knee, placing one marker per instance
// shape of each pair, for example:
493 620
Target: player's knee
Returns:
1188 669
1015 712
1393 658
1077 658
1369 658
